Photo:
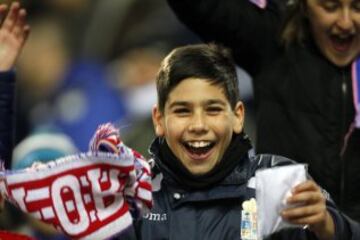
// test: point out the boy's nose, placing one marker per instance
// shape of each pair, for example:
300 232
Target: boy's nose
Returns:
198 123
345 21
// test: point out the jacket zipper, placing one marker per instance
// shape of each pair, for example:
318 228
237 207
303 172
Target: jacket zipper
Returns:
344 89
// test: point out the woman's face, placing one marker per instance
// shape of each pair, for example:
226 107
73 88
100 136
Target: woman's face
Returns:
335 25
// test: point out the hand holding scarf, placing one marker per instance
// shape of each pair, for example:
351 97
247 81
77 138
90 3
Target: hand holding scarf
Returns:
88 195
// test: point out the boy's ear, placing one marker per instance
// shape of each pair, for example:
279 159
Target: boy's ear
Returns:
239 117
157 121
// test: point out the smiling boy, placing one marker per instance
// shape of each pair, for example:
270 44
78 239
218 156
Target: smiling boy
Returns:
198 124
301 56
203 161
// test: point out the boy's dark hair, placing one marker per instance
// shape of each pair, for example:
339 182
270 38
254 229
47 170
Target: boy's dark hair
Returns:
206 61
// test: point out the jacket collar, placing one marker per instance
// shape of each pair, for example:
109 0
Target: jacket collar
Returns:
176 175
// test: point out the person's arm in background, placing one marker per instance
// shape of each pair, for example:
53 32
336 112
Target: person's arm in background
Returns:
250 31
13 34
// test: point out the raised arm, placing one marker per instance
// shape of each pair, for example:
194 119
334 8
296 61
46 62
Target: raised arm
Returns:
250 31
13 34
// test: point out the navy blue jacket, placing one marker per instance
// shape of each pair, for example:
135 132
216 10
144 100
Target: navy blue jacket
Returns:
215 212
7 82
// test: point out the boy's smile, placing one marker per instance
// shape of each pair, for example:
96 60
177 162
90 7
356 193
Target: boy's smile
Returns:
198 124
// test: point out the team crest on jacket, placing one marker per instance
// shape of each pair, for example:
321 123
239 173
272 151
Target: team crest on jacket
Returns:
248 225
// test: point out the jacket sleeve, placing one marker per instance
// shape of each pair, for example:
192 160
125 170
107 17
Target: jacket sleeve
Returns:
7 82
345 228
250 31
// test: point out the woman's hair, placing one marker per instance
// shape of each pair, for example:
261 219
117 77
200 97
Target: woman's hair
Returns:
296 27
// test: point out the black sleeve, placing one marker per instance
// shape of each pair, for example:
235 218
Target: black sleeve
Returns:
137 226
250 31
7 82
345 228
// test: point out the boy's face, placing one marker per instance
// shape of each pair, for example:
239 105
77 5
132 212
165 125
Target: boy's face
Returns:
198 124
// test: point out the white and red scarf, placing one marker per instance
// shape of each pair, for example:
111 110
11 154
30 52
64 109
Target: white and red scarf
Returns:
92 195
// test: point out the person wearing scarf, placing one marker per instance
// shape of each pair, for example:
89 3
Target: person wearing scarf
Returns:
204 166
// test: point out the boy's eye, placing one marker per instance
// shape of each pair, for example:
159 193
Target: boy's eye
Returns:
330 5
181 111
214 109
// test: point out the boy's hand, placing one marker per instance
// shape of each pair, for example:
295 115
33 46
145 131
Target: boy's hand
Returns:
310 209
13 34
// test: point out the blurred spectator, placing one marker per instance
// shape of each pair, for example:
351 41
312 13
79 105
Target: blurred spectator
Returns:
85 100
41 68
134 77
42 146
130 24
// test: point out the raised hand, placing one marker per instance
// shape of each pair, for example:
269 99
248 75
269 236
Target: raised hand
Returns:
13 34
309 208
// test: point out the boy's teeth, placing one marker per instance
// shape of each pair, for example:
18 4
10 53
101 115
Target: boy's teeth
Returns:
199 144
